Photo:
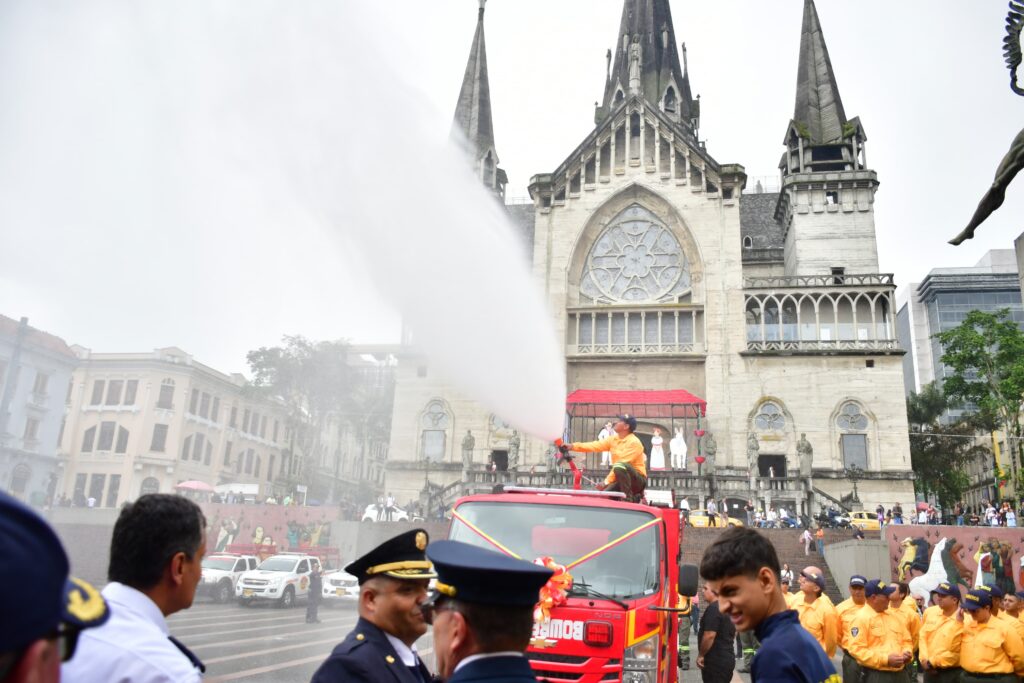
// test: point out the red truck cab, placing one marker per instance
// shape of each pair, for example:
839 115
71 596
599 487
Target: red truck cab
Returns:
618 622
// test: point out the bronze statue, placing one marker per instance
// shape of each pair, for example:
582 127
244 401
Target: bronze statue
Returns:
1013 162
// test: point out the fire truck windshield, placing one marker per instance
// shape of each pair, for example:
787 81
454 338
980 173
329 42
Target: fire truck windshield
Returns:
612 552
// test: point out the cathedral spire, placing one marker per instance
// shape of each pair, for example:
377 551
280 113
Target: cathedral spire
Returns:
473 111
819 109
646 60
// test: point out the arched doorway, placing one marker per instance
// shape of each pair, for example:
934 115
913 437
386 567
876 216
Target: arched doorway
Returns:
149 485
19 479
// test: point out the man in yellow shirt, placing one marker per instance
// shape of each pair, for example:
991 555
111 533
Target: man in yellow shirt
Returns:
941 635
847 610
997 613
817 614
791 598
629 469
878 639
1011 605
990 651
905 607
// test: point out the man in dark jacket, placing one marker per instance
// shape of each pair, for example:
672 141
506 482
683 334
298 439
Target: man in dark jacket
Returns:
393 581
480 633
316 593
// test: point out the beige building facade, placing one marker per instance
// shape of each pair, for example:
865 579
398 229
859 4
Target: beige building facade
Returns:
141 423
664 273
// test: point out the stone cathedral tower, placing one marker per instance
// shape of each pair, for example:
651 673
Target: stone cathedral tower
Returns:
753 326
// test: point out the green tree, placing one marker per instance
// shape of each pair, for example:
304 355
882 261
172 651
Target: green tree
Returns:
986 355
314 380
939 452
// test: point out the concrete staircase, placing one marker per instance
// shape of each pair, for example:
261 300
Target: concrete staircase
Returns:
787 544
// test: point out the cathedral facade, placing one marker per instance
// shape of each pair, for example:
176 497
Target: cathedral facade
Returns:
750 332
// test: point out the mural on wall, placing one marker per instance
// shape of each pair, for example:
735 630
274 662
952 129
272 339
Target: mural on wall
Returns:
264 530
924 556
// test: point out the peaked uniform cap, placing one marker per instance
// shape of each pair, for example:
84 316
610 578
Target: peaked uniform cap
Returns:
402 557
40 596
945 588
471 574
976 599
858 580
878 587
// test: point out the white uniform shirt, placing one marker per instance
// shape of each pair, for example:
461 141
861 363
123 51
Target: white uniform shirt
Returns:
132 647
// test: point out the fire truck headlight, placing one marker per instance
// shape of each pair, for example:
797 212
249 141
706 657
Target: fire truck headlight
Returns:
640 661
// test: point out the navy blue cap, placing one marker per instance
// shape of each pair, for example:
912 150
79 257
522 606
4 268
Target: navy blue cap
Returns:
878 587
402 557
994 590
471 574
39 595
948 589
976 599
814 578
858 580
629 420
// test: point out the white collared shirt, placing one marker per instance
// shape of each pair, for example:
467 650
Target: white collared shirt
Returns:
132 647
485 655
405 653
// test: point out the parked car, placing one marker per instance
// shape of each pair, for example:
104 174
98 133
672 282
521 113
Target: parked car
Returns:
221 572
865 521
397 514
340 587
699 518
283 578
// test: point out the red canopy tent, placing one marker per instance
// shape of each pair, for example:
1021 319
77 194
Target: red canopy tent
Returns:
588 409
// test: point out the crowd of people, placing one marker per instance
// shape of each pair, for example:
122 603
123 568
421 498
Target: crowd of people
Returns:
883 633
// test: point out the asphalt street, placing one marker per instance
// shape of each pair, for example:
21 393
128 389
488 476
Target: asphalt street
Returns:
265 643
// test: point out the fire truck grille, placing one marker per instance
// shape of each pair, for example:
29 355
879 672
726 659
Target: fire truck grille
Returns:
561 659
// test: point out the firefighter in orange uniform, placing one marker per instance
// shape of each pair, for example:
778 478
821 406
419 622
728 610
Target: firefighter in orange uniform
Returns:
990 651
817 613
941 634
879 639
847 610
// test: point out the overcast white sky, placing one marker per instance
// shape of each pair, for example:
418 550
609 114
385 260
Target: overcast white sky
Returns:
926 78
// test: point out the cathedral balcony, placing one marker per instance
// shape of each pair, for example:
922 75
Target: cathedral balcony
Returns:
621 331
836 314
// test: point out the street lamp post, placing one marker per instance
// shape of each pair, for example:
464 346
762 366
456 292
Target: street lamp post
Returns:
853 473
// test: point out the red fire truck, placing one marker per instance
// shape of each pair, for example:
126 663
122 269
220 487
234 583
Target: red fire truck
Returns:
618 621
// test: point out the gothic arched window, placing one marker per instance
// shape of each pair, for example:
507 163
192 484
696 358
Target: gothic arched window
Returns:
636 259
433 431
853 438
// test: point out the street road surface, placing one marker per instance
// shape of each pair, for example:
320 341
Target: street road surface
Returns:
264 643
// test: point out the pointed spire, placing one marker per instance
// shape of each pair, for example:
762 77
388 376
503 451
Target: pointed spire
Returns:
647 24
473 110
473 113
819 108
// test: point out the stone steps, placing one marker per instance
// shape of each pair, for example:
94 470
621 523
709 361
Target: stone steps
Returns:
787 544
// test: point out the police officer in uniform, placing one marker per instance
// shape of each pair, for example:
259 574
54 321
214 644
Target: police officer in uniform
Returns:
990 650
482 613
847 610
393 581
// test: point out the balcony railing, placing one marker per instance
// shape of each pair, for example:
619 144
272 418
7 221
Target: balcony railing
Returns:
821 314
838 280
635 331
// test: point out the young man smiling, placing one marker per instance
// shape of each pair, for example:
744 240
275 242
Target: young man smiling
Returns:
741 569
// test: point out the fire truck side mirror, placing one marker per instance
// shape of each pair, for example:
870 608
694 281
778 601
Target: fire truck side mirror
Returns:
688 580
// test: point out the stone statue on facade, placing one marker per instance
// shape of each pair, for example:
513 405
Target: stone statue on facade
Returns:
468 442
634 65
806 453
1013 162
753 448
710 450
513 451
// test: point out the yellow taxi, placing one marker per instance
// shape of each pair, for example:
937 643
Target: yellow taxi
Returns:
700 519
865 521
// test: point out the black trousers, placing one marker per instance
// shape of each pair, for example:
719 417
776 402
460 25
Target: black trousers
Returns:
717 674
968 677
951 675
311 611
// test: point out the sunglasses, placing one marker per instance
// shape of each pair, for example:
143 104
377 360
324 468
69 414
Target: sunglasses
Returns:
431 609
66 638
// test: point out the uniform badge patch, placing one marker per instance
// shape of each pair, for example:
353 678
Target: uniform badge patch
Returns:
421 541
854 631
